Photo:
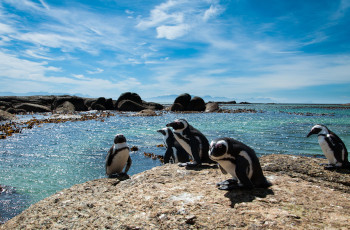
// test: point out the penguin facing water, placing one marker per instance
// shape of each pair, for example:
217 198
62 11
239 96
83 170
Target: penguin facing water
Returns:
192 140
240 161
332 147
174 152
118 157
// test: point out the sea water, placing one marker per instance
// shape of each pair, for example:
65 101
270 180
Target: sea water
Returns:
44 160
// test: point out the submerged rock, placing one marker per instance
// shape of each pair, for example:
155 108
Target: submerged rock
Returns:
303 196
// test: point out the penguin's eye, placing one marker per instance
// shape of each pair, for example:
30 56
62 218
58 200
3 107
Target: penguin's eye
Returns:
219 146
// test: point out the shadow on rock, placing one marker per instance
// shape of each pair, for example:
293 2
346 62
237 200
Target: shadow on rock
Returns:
201 167
120 176
237 196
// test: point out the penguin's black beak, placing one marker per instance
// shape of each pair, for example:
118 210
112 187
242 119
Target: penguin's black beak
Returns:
171 124
161 131
311 133
314 131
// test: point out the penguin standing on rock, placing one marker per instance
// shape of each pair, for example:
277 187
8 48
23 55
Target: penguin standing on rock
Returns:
192 140
174 152
118 157
240 161
332 147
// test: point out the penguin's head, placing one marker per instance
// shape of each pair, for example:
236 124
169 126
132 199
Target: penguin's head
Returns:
164 131
119 138
178 124
218 148
318 129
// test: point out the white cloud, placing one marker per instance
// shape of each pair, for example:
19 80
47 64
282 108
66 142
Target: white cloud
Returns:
172 32
96 71
211 12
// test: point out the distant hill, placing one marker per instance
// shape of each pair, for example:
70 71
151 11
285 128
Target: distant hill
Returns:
39 94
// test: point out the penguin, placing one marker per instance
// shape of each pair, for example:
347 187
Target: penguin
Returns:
332 147
118 157
193 141
240 161
174 152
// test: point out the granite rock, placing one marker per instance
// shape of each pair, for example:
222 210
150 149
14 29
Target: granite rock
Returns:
303 196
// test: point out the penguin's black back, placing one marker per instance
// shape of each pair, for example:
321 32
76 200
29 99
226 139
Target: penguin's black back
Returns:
190 130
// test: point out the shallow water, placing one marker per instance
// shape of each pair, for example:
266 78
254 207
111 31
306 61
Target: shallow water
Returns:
41 161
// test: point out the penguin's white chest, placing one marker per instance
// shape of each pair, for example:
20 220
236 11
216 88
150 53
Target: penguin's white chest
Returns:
118 162
184 144
229 168
327 151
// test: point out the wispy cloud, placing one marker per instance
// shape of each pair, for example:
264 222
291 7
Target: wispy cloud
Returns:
222 48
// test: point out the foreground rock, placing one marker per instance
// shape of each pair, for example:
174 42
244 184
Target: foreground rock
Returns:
303 196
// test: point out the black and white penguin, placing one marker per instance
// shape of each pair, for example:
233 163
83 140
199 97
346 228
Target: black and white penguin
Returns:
332 147
192 140
240 161
118 157
174 152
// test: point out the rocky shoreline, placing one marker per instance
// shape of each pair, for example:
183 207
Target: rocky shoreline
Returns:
303 196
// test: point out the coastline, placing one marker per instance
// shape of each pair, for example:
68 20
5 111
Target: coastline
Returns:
303 195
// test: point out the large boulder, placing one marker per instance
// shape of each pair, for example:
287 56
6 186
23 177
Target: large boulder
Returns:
66 107
152 105
176 107
129 96
109 104
130 106
99 104
133 102
211 107
183 99
28 107
184 103
196 104
78 102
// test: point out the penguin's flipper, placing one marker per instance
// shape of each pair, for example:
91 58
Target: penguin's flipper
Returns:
128 164
168 154
222 170
195 145
339 147
109 157
242 166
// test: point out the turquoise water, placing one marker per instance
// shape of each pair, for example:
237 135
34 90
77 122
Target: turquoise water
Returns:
41 161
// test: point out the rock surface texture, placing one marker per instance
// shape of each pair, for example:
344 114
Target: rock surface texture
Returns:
303 196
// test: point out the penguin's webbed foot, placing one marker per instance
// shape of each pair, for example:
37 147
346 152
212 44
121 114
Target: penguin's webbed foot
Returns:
331 167
227 182
189 164
120 176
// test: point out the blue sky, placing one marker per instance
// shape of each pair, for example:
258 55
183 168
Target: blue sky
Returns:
271 50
